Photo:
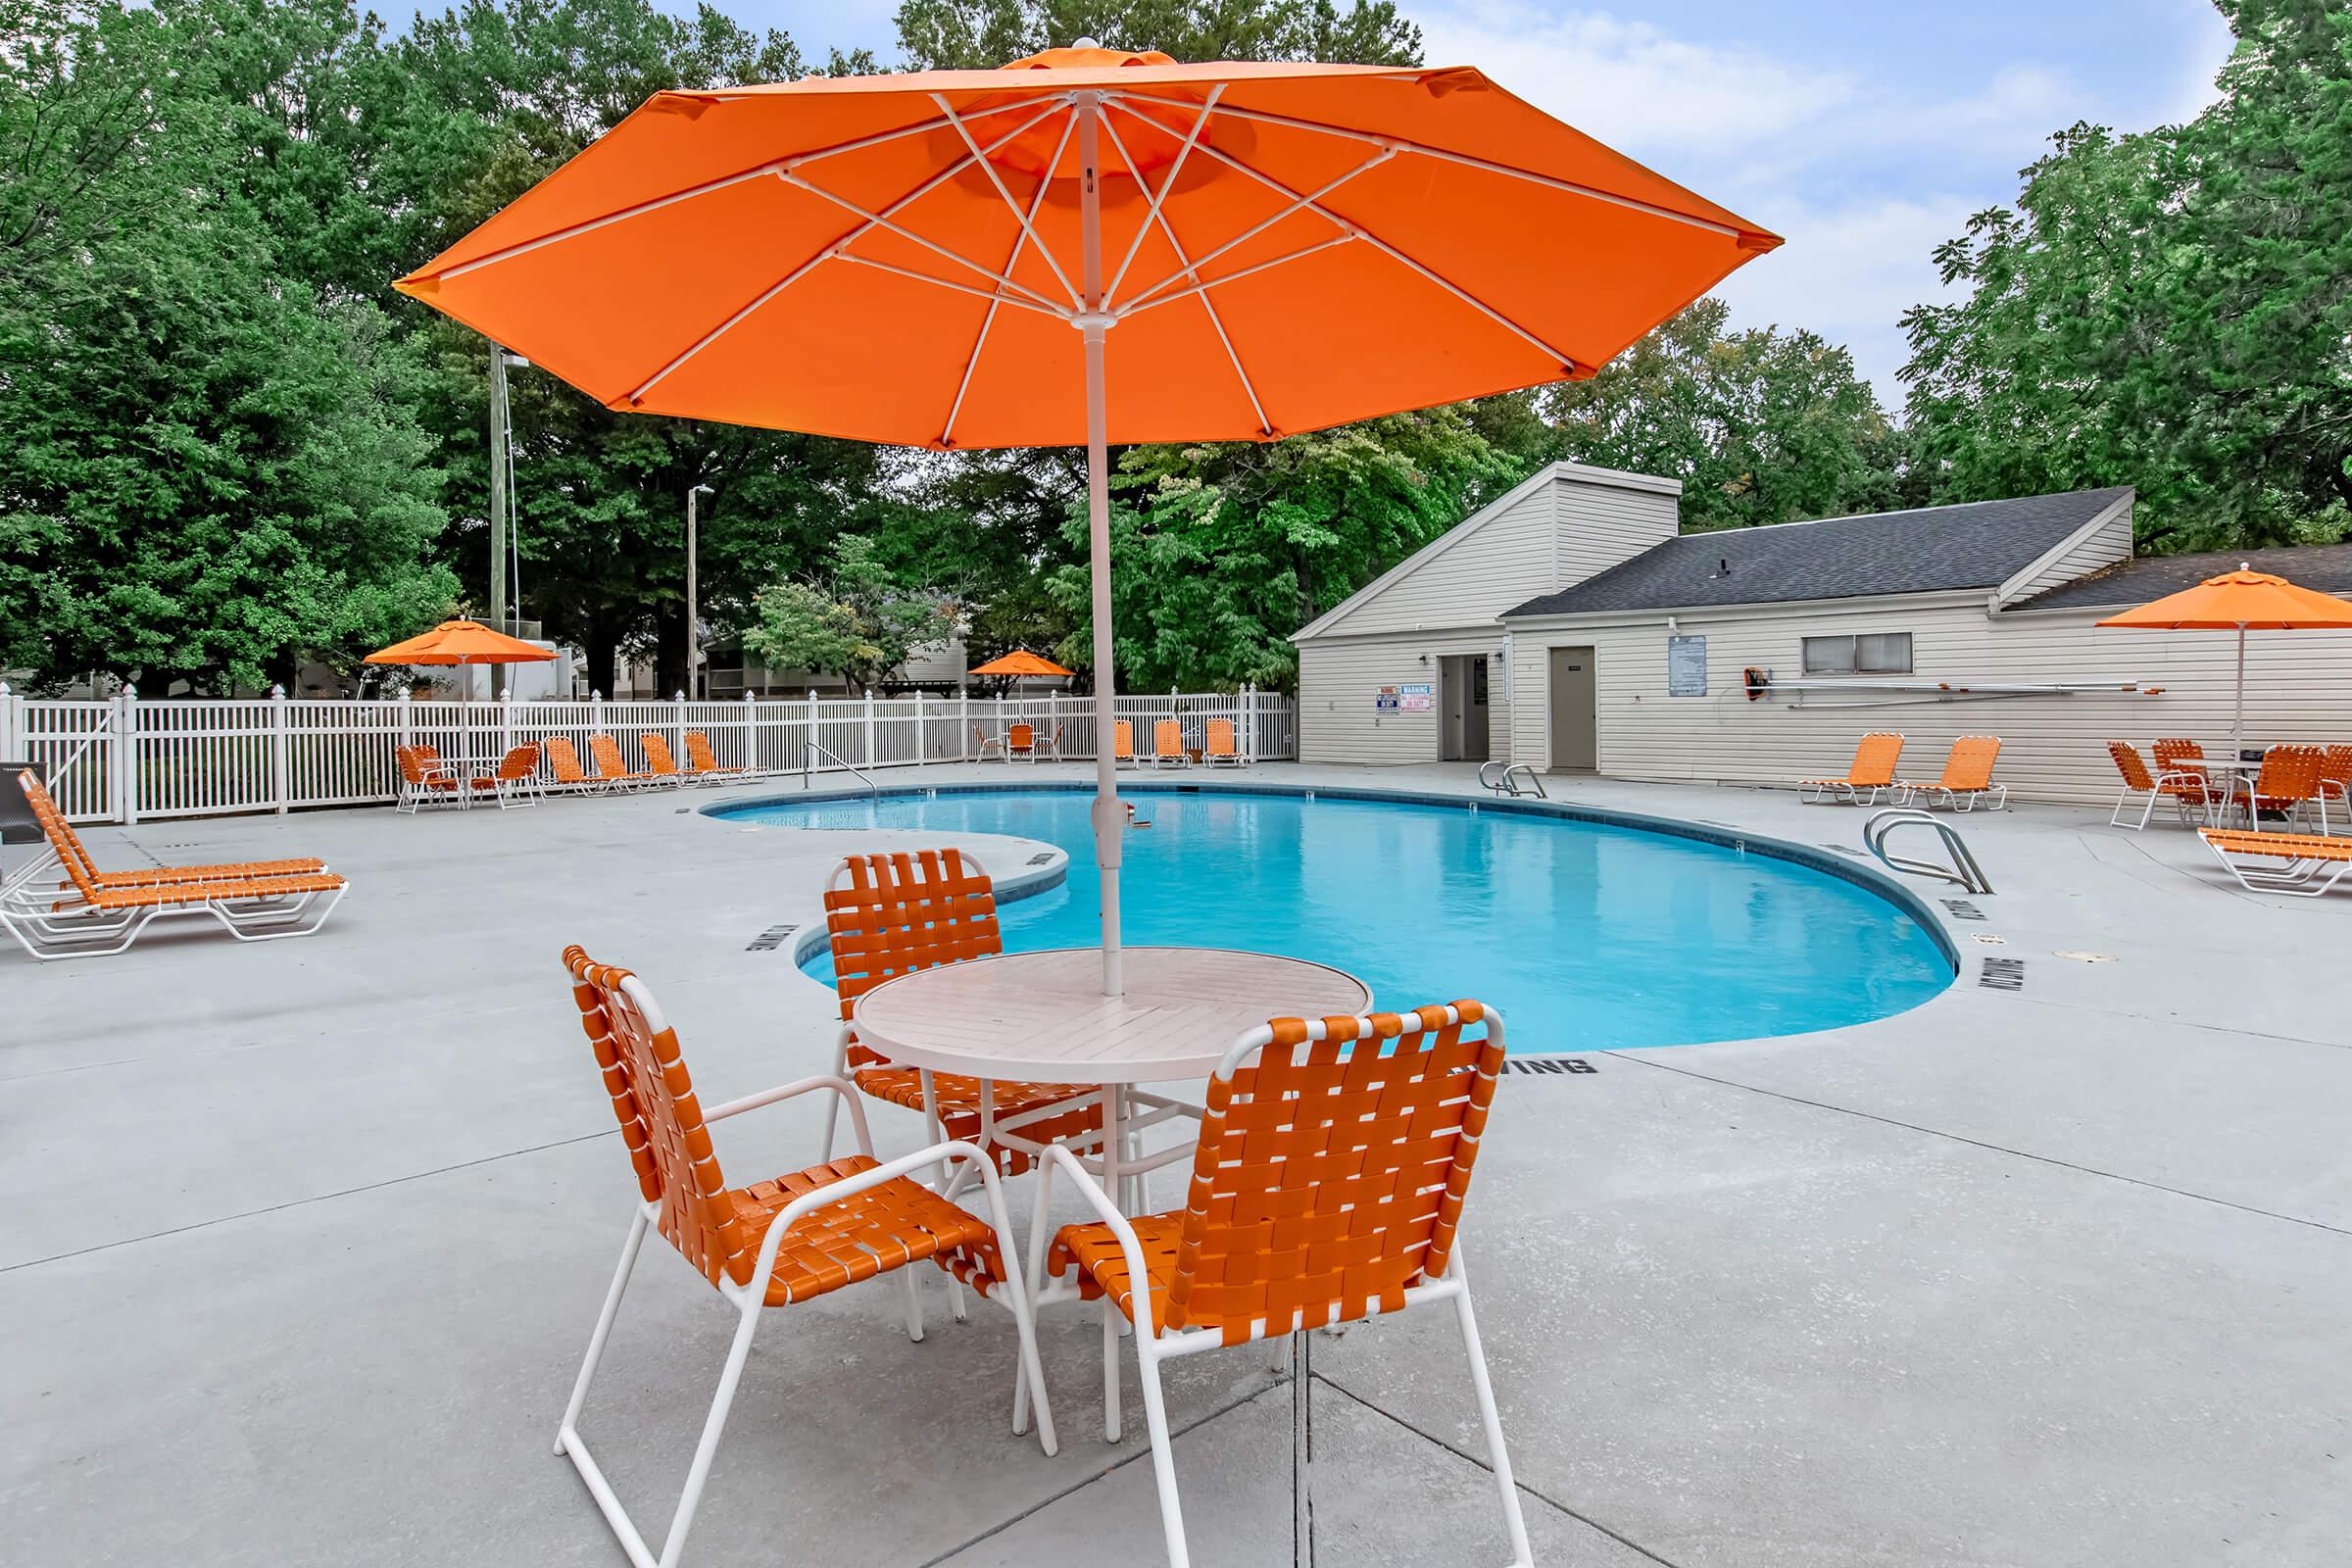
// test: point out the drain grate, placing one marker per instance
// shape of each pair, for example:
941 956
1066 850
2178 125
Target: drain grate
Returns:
2002 974
1041 857
770 939
1962 909
1547 1064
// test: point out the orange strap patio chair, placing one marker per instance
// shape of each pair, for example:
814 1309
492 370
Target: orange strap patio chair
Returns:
2169 752
1050 746
659 763
1873 771
94 914
2184 788
2335 782
2297 865
1216 743
984 743
892 914
1967 777
700 757
425 778
2287 781
1122 744
611 771
772 1244
516 779
1021 740
1328 1183
1167 744
563 765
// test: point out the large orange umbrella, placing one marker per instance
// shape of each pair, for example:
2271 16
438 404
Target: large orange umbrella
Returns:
2241 601
1020 661
1086 246
460 642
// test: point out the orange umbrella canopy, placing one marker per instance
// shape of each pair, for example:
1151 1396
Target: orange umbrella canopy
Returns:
903 257
460 642
1020 661
2243 600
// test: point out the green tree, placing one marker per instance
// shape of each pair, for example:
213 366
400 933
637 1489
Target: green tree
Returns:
1761 425
860 622
979 34
2171 309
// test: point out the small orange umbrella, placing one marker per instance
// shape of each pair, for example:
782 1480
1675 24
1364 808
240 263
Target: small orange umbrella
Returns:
460 642
1020 661
2241 601
1086 246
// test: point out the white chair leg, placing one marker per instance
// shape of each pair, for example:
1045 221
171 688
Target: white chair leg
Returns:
914 1303
1498 1456
604 1325
1111 1370
962 1180
1164 1455
708 1449
1040 1209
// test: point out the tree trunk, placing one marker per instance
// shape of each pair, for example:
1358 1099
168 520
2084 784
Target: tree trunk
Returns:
602 652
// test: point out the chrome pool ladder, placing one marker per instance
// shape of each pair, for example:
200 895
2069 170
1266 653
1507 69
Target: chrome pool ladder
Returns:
1504 783
813 750
1964 868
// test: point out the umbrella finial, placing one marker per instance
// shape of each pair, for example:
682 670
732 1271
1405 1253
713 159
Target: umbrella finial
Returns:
1086 43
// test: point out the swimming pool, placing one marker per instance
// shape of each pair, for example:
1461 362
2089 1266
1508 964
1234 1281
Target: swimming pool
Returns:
1587 935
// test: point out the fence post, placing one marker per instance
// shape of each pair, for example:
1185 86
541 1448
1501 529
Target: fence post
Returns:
281 774
1247 701
122 773
922 748
506 721
596 712
869 726
808 740
10 726
750 733
963 724
677 730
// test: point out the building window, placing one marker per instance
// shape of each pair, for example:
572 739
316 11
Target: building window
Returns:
1885 652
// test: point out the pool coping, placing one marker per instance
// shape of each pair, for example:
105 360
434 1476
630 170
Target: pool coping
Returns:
1028 881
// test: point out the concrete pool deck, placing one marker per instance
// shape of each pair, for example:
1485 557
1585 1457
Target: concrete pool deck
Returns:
305 1242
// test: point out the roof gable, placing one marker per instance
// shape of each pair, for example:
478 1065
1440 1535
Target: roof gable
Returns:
1976 545
2142 578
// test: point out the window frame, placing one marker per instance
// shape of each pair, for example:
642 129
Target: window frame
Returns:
1854 668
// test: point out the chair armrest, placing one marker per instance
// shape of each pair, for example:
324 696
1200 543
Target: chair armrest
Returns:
779 1094
1138 1272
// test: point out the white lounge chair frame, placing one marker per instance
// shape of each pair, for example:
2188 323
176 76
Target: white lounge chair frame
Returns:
83 930
2301 875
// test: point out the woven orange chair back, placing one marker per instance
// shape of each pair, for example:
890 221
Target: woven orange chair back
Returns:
657 756
1217 738
1021 737
902 913
1167 737
411 761
563 760
1330 1174
2128 762
661 1123
1875 758
1122 739
607 753
2170 753
62 837
1969 767
2290 773
699 755
519 763
2337 765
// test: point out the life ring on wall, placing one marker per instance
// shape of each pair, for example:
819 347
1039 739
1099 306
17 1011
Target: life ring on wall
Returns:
1756 680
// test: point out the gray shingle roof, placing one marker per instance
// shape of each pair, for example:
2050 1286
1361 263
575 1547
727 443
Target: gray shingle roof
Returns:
2326 567
1934 548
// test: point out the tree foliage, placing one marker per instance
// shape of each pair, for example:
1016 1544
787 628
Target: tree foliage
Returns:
979 34
856 622
2171 309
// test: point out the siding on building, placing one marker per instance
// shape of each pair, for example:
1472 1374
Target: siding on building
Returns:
2108 541
1560 526
2298 688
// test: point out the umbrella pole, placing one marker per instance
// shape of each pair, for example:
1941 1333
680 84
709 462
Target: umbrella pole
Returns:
2237 729
1109 829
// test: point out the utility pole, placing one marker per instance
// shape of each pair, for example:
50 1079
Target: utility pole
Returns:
694 644
498 504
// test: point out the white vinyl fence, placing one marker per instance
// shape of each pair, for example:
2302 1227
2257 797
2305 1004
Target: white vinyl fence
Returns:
126 759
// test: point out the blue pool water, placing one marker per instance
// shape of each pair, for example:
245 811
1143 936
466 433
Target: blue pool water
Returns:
1585 935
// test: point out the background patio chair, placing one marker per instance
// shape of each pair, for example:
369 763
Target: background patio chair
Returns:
705 764
611 771
1167 744
516 779
2184 789
659 763
983 744
1122 744
892 914
1327 1186
425 778
1967 777
1217 743
1873 771
773 1244
563 762
2335 782
2298 865
2287 781
1021 741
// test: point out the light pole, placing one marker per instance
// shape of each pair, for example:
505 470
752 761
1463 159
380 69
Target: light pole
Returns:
694 647
502 439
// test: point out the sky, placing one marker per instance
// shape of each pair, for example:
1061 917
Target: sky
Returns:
1863 132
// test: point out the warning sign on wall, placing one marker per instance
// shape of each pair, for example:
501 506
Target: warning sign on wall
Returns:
1417 698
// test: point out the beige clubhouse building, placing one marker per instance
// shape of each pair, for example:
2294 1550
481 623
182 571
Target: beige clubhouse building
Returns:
1572 626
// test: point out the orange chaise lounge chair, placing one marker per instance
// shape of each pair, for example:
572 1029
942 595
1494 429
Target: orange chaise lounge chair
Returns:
703 763
1873 771
91 914
1967 777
